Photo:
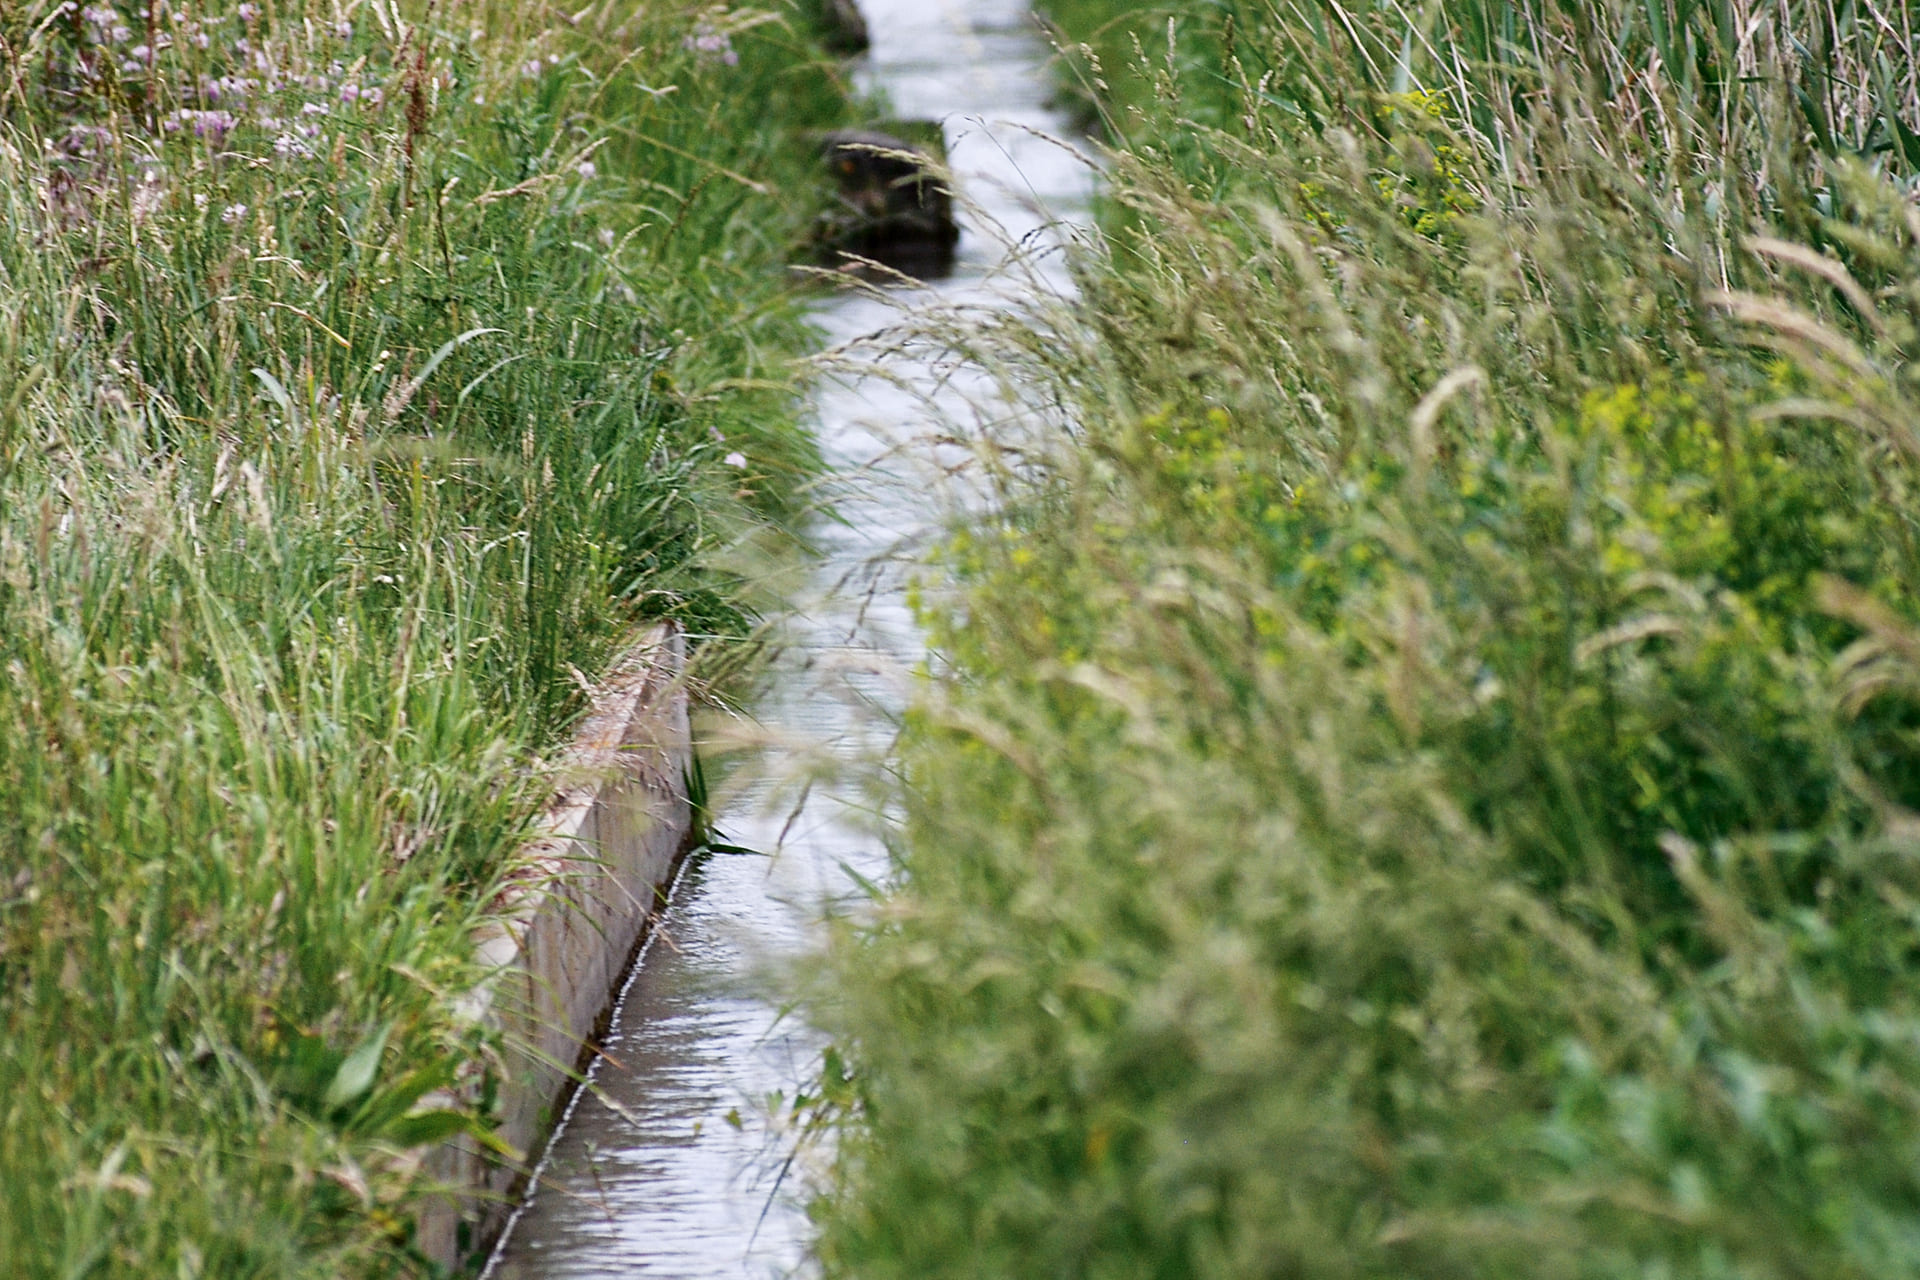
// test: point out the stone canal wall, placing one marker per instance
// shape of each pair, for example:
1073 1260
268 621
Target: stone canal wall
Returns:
578 910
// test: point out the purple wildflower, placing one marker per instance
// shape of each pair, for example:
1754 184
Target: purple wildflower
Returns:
712 45
83 139
211 124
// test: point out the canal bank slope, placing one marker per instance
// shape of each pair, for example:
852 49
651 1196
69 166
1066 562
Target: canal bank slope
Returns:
1416 776
370 378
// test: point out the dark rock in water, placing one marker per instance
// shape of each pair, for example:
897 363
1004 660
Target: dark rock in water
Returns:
884 177
844 30
894 206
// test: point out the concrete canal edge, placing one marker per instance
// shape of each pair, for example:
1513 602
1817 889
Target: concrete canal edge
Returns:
618 824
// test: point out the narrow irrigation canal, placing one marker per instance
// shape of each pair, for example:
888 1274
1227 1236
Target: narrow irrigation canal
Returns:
668 1166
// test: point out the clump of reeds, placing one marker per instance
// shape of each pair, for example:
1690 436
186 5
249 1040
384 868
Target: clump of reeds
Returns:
1420 777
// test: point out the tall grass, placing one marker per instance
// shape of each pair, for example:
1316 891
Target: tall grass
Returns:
368 374
1698 78
1418 776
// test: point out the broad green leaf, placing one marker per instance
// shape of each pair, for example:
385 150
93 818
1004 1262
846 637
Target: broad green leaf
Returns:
357 1073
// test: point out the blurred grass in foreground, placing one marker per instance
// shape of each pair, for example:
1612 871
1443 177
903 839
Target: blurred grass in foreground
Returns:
1420 776
368 374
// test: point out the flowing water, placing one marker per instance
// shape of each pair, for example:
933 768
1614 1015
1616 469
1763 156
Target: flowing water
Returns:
673 1164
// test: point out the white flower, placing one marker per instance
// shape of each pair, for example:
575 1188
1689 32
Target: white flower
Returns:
736 460
233 213
148 196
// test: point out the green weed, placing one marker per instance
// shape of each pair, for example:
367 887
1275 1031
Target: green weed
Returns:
368 376
1418 777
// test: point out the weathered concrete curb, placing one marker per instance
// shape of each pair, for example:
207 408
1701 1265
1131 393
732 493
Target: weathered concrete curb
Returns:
617 826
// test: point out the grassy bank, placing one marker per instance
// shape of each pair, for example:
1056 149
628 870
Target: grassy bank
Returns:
1419 777
368 374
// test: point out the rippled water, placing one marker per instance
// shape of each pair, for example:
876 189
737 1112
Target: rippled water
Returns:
670 1164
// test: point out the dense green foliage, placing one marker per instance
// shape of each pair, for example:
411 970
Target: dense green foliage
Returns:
1421 776
368 376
